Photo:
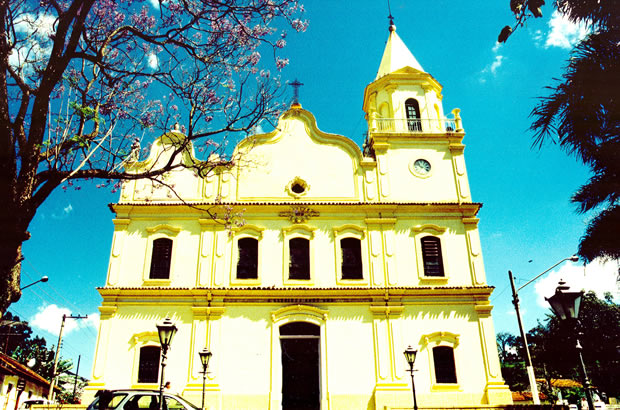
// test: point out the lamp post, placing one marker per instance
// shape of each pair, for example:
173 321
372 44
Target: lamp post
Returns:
43 279
565 305
205 355
410 356
166 331
515 302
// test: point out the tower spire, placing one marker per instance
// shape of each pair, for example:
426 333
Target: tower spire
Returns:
392 27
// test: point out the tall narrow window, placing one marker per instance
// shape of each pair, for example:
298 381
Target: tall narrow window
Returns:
160 261
431 256
148 369
247 265
351 258
445 370
299 264
299 342
412 108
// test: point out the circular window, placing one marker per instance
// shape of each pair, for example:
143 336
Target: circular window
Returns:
298 188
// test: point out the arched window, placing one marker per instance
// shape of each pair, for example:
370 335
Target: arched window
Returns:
299 262
160 260
431 256
445 369
412 110
351 258
247 264
148 368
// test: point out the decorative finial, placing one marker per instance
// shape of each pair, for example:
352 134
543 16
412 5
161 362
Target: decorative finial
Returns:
176 127
391 18
296 84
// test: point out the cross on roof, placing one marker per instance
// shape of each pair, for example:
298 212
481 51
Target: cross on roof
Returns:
296 84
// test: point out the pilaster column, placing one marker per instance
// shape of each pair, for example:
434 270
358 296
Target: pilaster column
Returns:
389 367
120 231
474 252
496 390
204 273
206 332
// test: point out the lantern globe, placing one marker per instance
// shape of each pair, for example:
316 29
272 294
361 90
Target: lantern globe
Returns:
166 329
205 356
565 304
410 355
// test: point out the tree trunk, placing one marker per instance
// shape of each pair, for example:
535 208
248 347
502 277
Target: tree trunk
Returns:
10 269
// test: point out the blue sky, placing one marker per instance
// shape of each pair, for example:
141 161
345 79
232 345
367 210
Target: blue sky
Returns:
527 221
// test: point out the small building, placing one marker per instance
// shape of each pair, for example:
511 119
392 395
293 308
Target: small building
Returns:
345 257
19 383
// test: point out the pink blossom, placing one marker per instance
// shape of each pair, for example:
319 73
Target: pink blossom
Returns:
281 62
299 25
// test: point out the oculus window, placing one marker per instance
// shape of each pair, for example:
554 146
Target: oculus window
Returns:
431 256
160 260
247 264
351 258
299 262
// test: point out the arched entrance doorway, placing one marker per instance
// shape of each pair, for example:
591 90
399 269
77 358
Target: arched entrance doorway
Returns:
299 342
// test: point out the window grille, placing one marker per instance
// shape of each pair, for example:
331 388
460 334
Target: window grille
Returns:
351 258
445 369
148 369
431 256
247 264
160 261
299 263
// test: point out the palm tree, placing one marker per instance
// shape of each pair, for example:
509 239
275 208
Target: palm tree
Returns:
582 115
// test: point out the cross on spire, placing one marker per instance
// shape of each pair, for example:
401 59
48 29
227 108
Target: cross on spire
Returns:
296 84
390 17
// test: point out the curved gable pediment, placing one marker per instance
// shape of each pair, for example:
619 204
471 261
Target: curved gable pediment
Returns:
328 164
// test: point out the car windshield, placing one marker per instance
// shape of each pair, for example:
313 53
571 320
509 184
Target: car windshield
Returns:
113 403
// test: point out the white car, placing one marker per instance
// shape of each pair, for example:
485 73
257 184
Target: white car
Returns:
134 399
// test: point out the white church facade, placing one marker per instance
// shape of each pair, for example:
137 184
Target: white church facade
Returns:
345 257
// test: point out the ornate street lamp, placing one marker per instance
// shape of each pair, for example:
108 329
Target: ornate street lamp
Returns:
410 356
205 355
166 330
566 305
515 301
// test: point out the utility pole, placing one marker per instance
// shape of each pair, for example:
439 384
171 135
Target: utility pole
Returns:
76 376
62 326
529 367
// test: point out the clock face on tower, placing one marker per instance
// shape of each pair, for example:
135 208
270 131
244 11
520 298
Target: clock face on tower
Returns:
422 167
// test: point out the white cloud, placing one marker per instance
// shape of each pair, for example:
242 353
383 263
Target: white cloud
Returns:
491 69
92 321
155 3
153 62
563 33
497 63
66 211
33 39
49 318
258 129
597 276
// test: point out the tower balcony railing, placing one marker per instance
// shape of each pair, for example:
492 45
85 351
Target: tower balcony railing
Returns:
416 125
